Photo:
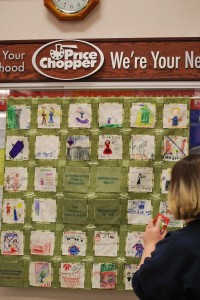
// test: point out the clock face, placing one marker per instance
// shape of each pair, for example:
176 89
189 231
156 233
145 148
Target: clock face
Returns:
70 6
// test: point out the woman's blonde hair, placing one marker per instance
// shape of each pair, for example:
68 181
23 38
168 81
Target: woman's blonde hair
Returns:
184 193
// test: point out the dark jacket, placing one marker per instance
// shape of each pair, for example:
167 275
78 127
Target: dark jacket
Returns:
173 271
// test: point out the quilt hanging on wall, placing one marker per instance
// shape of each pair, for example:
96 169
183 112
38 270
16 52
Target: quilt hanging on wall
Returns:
82 178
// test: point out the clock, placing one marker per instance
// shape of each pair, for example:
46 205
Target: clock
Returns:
70 9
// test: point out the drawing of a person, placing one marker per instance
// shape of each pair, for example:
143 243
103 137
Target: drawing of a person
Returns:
97 237
167 184
16 182
81 112
141 205
51 114
8 208
44 121
70 144
139 179
109 120
70 141
42 275
142 149
129 277
37 207
107 149
139 249
73 250
83 116
13 246
175 119
15 213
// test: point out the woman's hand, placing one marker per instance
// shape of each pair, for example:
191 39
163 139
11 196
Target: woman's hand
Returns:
152 234
150 238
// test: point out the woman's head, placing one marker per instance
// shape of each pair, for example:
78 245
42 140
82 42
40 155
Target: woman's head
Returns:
184 193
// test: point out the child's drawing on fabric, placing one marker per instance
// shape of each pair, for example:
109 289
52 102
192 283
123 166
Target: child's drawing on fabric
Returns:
110 147
174 148
72 275
143 115
74 243
12 243
165 211
13 211
45 179
175 115
44 210
142 147
105 243
134 244
129 271
140 180
17 148
104 276
165 180
18 116
49 115
139 211
78 147
15 179
80 115
40 274
110 115
42 242
47 147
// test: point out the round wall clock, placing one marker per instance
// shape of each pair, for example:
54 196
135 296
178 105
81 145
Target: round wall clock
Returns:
70 9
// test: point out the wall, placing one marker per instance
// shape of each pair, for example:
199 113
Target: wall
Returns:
29 19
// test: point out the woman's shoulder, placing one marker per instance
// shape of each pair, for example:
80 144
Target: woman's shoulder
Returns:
185 238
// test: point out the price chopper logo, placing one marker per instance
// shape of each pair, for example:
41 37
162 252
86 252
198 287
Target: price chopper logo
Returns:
68 60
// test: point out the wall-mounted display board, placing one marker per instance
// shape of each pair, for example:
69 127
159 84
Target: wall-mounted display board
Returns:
100 60
83 176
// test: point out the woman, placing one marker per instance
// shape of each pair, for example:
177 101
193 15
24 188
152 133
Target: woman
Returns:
170 265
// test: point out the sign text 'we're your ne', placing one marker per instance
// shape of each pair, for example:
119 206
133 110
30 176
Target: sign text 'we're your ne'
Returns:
156 60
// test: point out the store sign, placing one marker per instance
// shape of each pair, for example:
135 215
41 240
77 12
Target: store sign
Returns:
100 60
68 60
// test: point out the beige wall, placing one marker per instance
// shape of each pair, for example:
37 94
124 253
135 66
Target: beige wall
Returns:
29 19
